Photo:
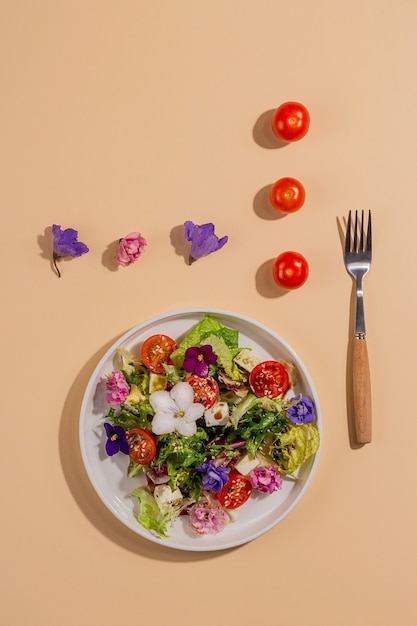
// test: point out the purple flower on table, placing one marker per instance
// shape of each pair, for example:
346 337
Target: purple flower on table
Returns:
203 240
130 248
207 518
117 388
301 412
198 360
214 477
65 243
116 439
266 479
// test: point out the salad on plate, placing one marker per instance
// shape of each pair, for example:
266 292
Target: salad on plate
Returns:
206 424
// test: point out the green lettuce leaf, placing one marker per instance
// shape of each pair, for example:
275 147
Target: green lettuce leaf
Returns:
207 325
295 446
150 516
225 357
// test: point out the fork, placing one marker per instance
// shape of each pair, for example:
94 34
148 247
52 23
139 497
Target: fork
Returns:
358 256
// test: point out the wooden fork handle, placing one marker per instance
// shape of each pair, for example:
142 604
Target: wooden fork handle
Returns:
361 391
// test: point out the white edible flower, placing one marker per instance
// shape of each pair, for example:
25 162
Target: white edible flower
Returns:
175 410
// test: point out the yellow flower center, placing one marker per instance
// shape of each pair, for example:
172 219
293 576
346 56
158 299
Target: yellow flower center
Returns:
200 357
179 414
113 437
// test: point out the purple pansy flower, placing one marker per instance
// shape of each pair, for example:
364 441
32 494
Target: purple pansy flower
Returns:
214 477
203 240
65 244
266 479
198 360
302 412
116 439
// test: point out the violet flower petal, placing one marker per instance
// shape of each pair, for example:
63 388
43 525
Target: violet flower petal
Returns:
302 412
198 360
65 242
213 477
116 439
208 355
203 240
112 447
201 369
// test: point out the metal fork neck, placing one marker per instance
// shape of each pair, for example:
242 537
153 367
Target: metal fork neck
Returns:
360 311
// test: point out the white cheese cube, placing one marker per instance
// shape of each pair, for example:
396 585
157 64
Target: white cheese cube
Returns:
246 360
246 464
166 498
217 415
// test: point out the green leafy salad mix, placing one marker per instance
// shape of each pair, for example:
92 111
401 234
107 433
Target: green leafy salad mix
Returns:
207 424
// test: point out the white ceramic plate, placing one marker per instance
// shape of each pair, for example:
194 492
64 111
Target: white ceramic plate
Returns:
108 474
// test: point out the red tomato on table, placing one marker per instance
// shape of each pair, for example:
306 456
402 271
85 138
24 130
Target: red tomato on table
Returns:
269 379
291 121
142 445
156 350
287 195
290 270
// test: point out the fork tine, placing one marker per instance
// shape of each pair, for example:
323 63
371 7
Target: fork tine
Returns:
369 234
348 229
355 233
361 246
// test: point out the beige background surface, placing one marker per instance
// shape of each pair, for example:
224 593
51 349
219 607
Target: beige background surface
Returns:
134 115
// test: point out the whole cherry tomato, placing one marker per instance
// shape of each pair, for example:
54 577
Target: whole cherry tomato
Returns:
290 270
291 121
287 195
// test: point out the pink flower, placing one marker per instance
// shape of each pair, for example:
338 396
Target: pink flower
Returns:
117 388
266 479
207 518
130 248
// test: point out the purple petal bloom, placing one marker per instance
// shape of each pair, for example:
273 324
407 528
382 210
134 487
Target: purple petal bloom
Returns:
213 477
302 412
203 240
198 360
65 244
116 440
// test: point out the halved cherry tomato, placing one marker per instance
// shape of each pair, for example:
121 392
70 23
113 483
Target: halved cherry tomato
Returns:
142 445
287 195
235 492
157 350
290 270
206 390
269 379
291 121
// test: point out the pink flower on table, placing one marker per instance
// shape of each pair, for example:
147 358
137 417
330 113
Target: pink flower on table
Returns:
117 389
130 248
266 479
